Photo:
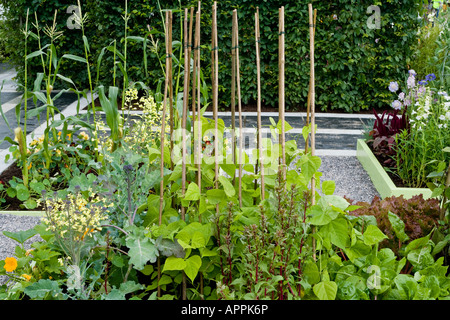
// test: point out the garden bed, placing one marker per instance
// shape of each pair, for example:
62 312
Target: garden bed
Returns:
381 180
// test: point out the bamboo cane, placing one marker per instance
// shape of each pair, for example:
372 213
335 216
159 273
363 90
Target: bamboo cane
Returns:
238 86
189 44
308 108
281 101
215 67
313 114
171 88
199 126
194 74
183 126
233 92
184 115
199 123
258 72
163 132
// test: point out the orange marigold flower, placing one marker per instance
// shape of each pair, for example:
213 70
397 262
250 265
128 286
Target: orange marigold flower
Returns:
10 264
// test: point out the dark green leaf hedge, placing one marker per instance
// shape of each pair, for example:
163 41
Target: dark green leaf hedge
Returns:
354 64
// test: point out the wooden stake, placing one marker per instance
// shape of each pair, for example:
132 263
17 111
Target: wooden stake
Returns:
183 126
163 132
238 85
171 87
313 114
199 126
185 109
308 106
194 73
281 100
233 93
215 68
258 72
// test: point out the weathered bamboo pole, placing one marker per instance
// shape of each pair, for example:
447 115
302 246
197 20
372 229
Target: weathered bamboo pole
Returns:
313 113
194 74
281 86
172 124
233 93
215 68
199 122
183 127
258 74
162 138
238 87
308 105
199 125
184 115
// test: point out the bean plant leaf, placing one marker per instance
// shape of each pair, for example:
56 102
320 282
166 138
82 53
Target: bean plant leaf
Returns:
328 187
193 264
373 235
309 165
215 196
192 192
227 186
325 290
174 263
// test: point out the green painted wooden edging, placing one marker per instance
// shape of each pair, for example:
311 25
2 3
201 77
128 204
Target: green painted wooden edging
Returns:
381 180
24 213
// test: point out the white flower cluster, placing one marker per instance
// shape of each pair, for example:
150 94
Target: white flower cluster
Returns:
425 109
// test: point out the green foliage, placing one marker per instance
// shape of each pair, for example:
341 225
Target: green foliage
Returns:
353 62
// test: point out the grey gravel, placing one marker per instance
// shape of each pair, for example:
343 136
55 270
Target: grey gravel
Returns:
14 223
350 177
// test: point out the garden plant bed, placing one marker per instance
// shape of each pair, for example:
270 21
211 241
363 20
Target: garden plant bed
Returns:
380 178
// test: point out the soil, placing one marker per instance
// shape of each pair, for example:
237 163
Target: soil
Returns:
12 204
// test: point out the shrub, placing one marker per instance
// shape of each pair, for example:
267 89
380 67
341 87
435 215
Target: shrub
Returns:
354 63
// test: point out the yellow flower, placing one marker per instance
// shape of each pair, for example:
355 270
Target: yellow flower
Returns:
26 277
10 264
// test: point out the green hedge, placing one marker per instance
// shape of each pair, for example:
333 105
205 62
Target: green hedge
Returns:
354 64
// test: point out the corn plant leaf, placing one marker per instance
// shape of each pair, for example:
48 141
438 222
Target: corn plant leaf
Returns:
35 54
74 57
